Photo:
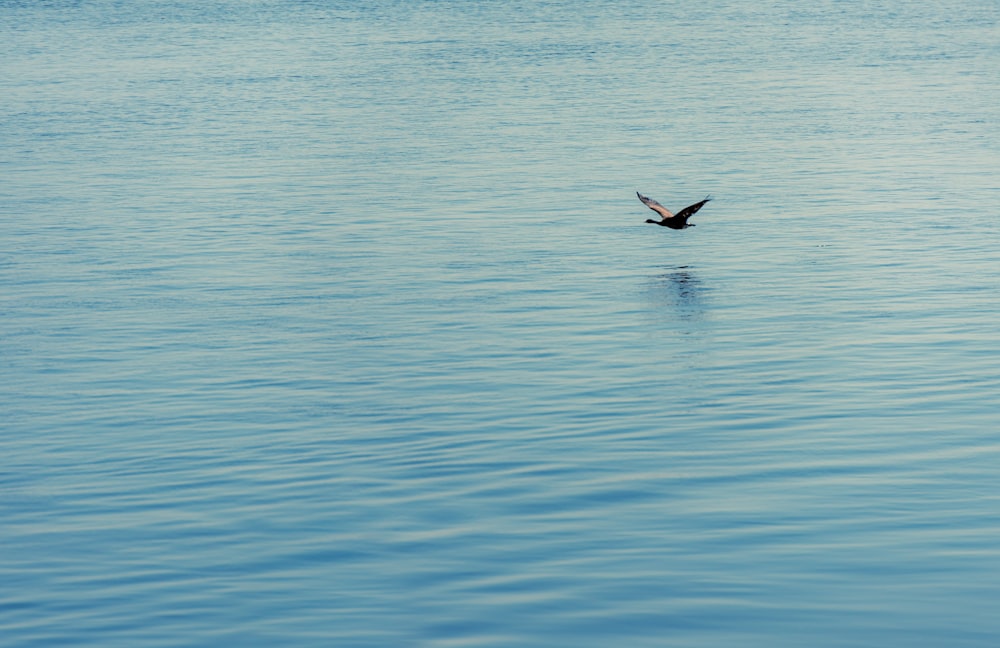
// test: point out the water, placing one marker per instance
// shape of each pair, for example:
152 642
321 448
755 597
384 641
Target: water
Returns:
338 324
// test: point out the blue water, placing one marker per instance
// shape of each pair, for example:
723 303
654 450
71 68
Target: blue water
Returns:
338 324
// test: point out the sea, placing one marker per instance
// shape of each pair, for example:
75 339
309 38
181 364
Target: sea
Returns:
330 323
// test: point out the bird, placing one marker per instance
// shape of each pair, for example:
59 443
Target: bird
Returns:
678 221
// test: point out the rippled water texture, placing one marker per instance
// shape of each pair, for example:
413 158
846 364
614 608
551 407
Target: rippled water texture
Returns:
338 324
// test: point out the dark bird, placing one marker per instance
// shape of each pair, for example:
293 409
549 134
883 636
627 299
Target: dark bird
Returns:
678 221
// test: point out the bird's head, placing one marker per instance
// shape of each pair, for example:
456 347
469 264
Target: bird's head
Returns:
650 220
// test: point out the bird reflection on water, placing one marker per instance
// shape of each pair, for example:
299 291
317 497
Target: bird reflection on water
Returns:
679 290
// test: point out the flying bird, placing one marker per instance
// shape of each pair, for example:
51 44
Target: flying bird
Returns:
668 219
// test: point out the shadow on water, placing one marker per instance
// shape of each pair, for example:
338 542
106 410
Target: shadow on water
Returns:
678 294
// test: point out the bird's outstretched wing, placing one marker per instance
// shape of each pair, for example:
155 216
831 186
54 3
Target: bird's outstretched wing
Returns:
657 207
690 210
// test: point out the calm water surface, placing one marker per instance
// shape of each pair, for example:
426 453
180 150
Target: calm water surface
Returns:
338 324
